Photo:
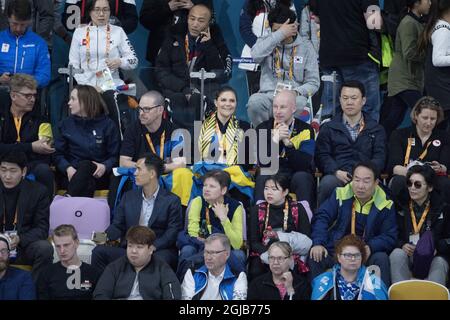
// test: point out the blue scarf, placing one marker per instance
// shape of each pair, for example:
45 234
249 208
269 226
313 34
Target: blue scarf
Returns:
347 291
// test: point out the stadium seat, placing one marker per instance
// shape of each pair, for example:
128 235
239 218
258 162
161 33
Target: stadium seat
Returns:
418 290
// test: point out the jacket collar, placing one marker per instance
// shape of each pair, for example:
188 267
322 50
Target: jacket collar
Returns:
380 200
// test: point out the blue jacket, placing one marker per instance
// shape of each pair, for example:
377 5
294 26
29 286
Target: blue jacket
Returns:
87 139
17 284
26 54
371 287
225 288
335 149
333 219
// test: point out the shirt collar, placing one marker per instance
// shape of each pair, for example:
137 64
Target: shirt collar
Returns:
152 197
218 278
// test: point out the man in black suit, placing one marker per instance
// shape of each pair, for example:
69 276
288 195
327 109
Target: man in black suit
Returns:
24 213
149 205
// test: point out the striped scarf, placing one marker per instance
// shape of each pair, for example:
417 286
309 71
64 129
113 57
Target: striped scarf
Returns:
209 139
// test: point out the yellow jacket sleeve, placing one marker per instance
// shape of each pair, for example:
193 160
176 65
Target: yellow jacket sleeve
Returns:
194 217
233 229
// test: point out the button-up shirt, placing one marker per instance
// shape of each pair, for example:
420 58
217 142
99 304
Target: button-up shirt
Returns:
354 131
147 207
212 289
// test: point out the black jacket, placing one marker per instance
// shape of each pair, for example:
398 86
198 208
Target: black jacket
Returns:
439 149
157 281
165 221
157 17
438 220
172 71
335 149
32 212
263 288
29 132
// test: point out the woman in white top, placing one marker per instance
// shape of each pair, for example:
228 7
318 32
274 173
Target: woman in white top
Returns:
436 44
99 46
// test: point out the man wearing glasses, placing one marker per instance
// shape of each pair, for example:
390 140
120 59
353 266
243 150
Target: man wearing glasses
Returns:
23 129
214 280
360 208
22 50
152 133
15 284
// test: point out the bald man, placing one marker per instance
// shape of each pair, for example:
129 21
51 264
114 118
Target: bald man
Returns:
294 140
201 46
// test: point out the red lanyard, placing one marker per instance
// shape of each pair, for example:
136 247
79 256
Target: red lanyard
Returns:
285 218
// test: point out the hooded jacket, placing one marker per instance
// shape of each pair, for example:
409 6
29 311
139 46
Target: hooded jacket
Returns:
299 53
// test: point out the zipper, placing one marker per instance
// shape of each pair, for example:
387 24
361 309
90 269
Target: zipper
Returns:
97 47
171 292
282 64
17 53
23 58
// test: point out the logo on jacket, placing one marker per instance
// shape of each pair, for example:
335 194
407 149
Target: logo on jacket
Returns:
5 47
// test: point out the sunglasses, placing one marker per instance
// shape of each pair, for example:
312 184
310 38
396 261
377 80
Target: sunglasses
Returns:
416 184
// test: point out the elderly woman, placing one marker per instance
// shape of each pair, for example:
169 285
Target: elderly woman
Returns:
99 48
349 279
88 145
421 210
279 283
420 143
277 218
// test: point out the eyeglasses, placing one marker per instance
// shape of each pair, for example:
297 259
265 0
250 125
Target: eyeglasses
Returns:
147 109
213 253
416 184
278 259
27 96
4 252
351 256
101 10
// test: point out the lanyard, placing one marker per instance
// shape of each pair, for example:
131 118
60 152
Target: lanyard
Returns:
4 219
161 144
408 151
416 226
278 60
186 49
285 218
18 124
88 43
353 225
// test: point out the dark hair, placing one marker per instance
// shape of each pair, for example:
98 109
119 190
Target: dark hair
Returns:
425 171
354 84
369 165
153 162
280 14
66 230
253 6
91 101
226 89
427 102
141 235
17 157
438 7
279 179
354 241
408 6
222 177
21 9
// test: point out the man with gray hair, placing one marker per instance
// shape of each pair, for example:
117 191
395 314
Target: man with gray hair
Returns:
214 280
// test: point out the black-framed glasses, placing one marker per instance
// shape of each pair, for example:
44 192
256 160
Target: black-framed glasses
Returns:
27 96
351 256
212 252
416 184
278 259
147 109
